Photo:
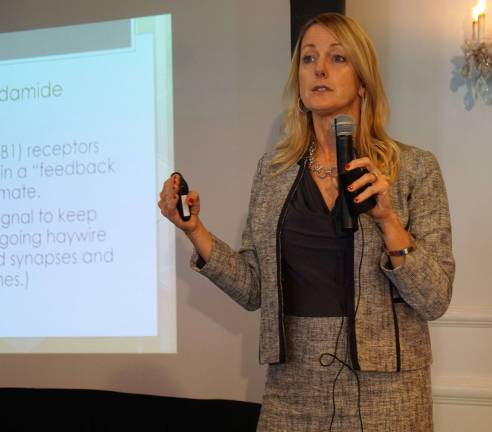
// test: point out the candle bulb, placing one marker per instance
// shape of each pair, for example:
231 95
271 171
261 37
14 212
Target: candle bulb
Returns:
481 27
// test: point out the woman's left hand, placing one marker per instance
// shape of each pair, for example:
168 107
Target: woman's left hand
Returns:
378 186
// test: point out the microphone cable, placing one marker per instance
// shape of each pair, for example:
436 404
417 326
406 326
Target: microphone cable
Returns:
344 362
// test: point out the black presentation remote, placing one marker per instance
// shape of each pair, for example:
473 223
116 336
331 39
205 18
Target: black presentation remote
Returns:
182 206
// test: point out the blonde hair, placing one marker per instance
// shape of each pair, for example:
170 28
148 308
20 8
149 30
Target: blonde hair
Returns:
372 140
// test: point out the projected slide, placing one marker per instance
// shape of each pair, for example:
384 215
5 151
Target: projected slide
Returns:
86 138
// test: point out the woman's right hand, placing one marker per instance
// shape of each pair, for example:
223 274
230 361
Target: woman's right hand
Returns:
169 199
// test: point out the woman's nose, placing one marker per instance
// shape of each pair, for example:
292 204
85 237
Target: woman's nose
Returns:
320 72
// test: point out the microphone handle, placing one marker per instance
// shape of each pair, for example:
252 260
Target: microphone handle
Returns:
345 154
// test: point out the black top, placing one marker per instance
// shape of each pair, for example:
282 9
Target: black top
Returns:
317 255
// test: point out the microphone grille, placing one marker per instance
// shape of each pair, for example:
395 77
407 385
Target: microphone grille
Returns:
343 125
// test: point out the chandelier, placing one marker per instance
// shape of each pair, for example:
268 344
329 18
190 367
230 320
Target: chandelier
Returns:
478 54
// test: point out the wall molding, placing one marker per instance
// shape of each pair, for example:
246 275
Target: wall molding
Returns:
475 391
465 316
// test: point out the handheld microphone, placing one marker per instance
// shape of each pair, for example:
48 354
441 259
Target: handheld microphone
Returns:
344 129
182 206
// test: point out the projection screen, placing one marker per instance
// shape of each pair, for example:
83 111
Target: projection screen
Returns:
86 262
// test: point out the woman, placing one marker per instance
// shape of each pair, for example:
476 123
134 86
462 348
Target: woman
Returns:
343 315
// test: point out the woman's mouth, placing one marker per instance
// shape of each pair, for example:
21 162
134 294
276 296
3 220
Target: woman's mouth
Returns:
321 88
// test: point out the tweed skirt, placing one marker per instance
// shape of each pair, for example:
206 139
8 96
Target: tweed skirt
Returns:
314 392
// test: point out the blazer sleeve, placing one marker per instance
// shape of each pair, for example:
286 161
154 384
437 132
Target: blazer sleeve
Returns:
425 279
237 273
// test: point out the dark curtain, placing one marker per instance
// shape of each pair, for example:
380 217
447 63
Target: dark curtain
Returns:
303 10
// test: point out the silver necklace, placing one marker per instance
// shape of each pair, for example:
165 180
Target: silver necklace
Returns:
321 171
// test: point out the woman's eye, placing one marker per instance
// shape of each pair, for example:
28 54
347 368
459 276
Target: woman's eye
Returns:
308 59
338 58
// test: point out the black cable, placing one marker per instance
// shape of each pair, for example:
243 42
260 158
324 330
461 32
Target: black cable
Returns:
360 267
333 396
344 362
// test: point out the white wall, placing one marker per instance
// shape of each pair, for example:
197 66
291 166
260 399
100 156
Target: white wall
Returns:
417 42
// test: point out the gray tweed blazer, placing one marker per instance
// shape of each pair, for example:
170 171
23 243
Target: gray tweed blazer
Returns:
389 329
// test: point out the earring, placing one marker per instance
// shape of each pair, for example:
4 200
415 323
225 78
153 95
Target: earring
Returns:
301 106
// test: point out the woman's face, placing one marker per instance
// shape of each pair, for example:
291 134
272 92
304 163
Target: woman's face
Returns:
328 83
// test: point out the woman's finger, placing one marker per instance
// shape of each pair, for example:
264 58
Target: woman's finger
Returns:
193 201
168 198
374 189
366 179
363 162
